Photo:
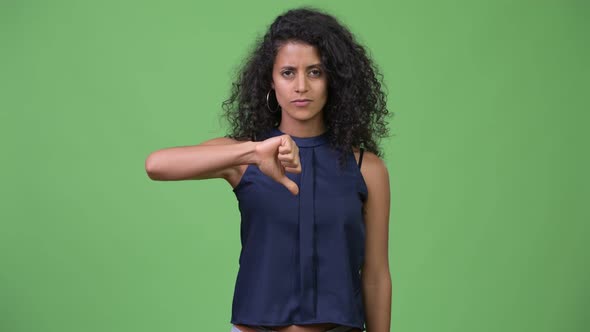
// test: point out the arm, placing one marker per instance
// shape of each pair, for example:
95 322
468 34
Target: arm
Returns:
226 158
217 158
376 278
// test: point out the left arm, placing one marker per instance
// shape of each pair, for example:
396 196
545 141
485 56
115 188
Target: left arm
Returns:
376 279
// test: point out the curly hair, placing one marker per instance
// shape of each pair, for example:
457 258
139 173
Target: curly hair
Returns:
355 113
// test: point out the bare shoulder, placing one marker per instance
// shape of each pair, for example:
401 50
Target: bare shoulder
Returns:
372 167
376 176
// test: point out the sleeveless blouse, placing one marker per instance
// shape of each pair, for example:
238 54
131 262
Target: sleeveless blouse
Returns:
301 255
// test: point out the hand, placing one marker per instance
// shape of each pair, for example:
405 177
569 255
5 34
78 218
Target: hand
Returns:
278 155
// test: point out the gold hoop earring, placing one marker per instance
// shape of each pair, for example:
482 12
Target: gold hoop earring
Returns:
267 104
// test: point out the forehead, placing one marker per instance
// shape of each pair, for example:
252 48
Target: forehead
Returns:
297 54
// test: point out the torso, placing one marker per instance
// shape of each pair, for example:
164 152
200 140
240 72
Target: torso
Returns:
233 180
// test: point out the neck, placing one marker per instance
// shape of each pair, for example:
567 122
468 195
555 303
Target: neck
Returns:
302 129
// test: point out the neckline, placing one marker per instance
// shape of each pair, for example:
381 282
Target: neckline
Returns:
305 142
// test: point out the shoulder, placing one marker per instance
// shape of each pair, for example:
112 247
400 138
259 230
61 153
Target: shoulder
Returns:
374 172
371 163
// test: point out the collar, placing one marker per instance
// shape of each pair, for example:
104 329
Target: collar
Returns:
304 142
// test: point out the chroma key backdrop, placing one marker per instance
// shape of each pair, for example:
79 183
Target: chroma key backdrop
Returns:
488 161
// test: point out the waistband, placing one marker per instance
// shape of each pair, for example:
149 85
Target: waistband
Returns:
341 328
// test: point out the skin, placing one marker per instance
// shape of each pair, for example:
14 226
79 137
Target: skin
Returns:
296 74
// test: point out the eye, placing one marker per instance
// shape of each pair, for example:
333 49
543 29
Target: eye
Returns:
315 73
287 73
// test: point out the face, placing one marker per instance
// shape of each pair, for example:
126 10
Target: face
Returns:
299 83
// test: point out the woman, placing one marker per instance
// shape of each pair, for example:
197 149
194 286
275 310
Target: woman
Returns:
306 114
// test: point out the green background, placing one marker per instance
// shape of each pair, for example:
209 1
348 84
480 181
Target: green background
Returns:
488 161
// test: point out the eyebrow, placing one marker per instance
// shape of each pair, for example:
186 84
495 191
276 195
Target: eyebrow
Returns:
310 66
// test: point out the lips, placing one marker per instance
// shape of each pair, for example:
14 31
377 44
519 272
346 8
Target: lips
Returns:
301 102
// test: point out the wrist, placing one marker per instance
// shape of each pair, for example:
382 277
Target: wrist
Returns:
252 157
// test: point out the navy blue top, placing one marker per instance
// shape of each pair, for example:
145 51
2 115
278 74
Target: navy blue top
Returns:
302 254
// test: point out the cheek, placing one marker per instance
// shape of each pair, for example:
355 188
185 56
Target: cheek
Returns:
281 92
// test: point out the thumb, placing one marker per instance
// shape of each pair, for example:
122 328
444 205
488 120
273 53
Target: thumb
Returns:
292 186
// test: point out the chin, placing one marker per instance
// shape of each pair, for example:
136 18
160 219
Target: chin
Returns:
302 114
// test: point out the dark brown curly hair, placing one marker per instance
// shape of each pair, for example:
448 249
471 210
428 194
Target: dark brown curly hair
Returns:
355 112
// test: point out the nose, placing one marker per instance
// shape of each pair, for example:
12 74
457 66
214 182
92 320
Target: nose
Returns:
301 84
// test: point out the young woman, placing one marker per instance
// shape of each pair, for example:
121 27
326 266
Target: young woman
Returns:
306 114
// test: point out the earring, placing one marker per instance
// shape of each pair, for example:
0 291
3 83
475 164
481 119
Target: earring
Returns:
267 104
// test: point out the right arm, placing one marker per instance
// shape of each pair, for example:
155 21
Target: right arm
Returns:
217 158
226 158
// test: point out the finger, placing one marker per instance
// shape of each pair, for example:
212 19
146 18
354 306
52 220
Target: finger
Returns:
288 141
291 186
284 149
287 158
289 164
289 161
294 170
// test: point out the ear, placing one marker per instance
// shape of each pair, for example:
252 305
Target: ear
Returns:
272 85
